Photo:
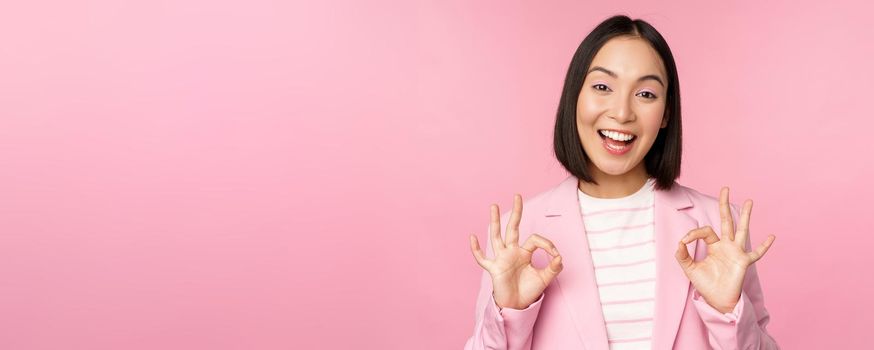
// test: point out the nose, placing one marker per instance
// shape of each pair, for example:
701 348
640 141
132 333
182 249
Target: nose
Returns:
622 111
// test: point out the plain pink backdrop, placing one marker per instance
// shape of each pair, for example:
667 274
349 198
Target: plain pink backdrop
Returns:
299 175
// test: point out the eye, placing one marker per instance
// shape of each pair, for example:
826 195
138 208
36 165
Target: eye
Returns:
599 87
648 95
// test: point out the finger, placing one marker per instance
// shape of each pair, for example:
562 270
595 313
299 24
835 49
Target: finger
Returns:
760 251
725 214
549 272
683 256
706 233
478 253
743 229
495 229
537 241
515 218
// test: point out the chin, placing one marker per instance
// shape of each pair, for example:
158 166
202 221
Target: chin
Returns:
614 168
615 172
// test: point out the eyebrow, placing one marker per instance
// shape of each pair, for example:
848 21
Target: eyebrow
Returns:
612 74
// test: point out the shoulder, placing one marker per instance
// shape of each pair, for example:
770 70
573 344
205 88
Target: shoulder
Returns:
707 200
543 202
705 205
536 204
540 201
697 197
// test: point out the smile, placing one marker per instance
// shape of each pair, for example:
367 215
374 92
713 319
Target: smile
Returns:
617 142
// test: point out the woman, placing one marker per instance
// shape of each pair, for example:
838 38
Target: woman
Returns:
625 277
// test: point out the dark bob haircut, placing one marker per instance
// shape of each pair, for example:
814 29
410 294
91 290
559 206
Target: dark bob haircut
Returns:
663 159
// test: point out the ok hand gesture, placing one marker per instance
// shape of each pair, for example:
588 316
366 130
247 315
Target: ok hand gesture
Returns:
719 277
516 283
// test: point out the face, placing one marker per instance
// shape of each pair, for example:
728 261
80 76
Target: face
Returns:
621 105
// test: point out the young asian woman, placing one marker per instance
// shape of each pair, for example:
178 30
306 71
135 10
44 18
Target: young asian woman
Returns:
634 260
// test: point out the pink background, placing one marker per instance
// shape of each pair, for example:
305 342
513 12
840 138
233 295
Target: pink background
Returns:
274 175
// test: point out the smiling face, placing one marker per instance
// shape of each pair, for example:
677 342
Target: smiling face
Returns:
621 105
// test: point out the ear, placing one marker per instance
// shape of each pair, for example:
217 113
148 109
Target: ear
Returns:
664 121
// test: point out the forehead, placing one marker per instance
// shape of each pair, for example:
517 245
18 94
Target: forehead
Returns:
629 57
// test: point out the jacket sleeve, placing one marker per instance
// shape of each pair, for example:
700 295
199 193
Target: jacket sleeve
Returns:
744 327
500 329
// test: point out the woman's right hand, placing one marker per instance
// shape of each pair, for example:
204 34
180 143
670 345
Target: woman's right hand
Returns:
516 283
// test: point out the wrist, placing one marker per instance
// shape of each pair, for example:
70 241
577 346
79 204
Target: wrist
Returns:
721 307
515 306
725 309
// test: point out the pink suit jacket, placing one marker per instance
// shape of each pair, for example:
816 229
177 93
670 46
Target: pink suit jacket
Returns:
568 314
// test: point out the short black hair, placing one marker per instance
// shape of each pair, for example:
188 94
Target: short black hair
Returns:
663 159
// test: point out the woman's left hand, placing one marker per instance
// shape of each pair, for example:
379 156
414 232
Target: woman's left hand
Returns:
719 277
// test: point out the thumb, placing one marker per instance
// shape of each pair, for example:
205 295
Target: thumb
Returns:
683 257
555 266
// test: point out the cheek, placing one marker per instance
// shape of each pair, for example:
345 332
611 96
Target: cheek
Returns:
587 110
651 118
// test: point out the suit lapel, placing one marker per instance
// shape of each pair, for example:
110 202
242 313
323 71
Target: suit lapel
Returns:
577 284
672 285
564 225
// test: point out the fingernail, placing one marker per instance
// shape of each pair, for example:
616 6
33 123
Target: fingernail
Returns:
554 251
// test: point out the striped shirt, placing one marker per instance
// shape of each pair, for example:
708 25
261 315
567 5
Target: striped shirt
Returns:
621 239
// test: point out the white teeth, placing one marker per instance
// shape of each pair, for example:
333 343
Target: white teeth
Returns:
617 135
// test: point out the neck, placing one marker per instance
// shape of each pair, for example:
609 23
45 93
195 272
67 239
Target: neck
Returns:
614 186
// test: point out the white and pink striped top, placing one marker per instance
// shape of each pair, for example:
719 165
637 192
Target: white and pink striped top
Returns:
621 239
